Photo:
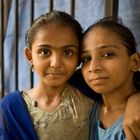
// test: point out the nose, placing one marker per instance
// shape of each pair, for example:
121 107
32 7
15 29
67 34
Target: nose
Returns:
95 66
55 61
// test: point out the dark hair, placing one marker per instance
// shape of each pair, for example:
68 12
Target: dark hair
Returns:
115 24
57 17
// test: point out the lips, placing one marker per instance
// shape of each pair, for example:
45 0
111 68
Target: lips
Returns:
98 80
55 75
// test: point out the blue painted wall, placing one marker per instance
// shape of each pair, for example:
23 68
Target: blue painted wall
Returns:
87 12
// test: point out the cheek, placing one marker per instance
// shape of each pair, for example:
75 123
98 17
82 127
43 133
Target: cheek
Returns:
71 65
41 66
121 66
119 70
73 61
38 68
84 72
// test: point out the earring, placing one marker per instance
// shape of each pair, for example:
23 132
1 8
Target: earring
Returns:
31 66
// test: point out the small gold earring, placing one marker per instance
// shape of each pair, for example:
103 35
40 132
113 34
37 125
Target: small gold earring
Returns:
31 66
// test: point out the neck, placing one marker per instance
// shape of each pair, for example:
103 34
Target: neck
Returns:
117 98
47 97
114 105
49 92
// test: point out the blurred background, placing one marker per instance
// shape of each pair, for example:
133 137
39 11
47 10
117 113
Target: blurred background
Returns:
16 16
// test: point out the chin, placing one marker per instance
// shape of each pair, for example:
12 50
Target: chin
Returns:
99 90
55 83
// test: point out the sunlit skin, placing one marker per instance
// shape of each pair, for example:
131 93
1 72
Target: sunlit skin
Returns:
54 54
108 69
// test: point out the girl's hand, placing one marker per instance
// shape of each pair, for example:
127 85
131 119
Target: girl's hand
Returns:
131 123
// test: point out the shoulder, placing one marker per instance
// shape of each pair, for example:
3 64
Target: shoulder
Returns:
7 105
13 104
81 104
10 98
80 97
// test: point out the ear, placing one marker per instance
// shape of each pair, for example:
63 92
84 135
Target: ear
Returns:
135 59
28 54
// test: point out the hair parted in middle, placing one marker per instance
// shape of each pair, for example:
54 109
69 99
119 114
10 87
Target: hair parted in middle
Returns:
54 17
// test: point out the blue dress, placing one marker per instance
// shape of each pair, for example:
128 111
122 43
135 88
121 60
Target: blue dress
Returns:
115 132
13 115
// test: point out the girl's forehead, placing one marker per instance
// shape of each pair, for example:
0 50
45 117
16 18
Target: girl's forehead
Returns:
101 34
54 28
102 38
59 30
56 36
55 25
101 30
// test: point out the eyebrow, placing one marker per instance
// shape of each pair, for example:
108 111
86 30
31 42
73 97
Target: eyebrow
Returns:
101 47
49 46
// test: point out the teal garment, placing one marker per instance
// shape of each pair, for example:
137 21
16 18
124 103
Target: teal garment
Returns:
115 132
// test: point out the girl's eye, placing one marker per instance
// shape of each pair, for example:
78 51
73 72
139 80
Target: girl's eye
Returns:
44 52
85 59
108 54
68 52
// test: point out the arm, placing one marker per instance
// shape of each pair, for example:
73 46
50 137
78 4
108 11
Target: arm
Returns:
131 121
